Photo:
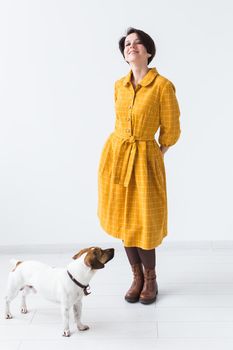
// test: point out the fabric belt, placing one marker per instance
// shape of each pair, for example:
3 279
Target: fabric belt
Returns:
126 150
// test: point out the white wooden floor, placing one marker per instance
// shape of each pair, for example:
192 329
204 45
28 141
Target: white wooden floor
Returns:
194 308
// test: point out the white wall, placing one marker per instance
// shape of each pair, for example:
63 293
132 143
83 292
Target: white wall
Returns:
58 63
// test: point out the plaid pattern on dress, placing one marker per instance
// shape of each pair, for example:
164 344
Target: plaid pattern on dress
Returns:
132 196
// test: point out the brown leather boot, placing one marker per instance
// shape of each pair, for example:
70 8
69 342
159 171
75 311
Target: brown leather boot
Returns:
132 296
150 288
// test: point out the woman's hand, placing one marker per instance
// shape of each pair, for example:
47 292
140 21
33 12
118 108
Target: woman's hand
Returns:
163 149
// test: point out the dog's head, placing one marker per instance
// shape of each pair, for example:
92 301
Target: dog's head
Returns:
95 257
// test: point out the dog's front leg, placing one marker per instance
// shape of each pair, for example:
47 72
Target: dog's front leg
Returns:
77 316
65 317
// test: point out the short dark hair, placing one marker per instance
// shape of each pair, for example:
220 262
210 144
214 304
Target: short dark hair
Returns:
146 40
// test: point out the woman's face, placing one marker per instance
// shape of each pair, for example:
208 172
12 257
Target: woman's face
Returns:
134 50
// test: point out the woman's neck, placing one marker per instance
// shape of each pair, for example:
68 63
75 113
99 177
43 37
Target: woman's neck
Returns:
138 74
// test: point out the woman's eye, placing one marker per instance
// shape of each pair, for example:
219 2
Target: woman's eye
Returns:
138 42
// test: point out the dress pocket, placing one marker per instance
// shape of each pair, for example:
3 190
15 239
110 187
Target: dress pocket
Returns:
159 164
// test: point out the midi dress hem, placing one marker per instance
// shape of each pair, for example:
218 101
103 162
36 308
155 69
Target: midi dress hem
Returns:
136 243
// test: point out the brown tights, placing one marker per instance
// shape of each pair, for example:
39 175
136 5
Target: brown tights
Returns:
136 255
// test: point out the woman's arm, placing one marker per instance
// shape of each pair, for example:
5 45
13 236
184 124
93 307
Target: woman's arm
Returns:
169 117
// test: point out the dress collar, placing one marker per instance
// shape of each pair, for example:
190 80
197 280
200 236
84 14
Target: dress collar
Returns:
147 79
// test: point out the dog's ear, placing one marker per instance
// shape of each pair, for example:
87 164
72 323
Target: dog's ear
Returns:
92 261
77 255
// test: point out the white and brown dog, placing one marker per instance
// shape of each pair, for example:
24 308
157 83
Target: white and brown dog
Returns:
63 285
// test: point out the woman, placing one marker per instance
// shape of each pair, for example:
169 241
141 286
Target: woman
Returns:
132 198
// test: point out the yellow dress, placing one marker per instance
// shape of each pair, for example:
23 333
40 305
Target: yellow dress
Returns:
132 196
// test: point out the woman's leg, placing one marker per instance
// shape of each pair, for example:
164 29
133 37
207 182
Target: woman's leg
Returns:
133 255
134 291
147 257
150 288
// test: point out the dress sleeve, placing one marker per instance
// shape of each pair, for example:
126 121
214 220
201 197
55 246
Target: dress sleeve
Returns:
169 116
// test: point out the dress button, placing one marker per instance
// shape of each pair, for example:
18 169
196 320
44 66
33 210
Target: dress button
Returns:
127 130
129 118
130 107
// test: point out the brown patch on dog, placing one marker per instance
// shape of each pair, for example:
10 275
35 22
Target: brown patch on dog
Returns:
96 257
77 255
92 259
17 264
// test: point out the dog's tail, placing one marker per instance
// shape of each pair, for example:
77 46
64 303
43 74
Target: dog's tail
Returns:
14 263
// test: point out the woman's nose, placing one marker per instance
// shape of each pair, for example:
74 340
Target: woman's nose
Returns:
132 47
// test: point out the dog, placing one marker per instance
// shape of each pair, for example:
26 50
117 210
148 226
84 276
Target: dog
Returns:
66 286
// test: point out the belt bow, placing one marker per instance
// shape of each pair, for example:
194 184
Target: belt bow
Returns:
126 150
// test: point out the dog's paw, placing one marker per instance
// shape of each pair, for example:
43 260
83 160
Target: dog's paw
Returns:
24 310
83 327
66 333
8 316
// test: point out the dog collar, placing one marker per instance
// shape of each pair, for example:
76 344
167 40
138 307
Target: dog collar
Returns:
79 284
